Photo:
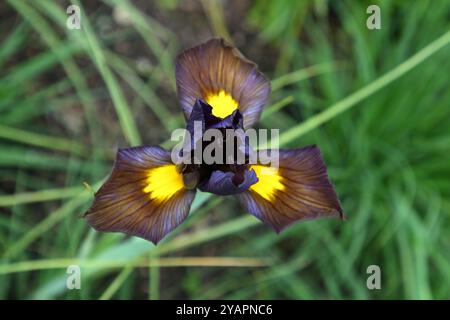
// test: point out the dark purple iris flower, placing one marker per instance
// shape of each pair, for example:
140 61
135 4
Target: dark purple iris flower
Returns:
148 194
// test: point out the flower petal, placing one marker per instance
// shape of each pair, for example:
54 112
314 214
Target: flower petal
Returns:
144 196
219 74
227 183
298 190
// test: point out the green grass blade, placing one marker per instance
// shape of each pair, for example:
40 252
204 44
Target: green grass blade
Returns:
366 91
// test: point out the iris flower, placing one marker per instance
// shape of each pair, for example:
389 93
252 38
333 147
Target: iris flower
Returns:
148 195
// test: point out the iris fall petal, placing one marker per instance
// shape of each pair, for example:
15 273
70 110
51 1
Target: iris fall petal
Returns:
220 75
144 195
298 190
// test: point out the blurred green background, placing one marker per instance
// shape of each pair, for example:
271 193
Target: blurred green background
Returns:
379 112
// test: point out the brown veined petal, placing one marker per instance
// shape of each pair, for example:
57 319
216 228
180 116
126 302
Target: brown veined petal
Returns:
220 75
144 196
298 190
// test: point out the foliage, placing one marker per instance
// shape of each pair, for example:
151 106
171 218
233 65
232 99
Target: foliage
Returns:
378 111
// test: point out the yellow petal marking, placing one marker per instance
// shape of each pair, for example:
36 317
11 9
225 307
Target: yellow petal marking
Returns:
269 182
222 103
163 182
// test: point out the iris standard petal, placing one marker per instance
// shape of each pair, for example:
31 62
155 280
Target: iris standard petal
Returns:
220 75
298 190
228 183
144 196
233 121
202 111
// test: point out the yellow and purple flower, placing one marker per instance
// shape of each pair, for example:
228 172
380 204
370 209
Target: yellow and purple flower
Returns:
148 194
